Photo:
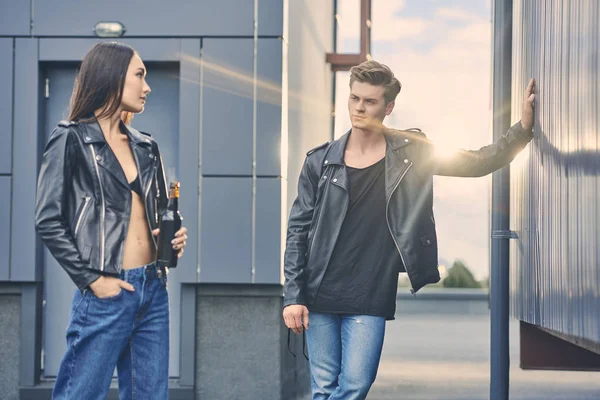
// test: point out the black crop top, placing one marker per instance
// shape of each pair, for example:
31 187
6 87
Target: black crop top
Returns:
136 186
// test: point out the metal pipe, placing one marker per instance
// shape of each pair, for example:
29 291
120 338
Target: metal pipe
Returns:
365 29
333 72
499 279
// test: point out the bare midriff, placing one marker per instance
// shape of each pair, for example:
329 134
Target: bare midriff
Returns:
139 246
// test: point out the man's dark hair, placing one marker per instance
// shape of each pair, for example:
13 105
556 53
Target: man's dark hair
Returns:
377 74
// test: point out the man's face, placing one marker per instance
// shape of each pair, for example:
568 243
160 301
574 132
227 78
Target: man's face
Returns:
366 106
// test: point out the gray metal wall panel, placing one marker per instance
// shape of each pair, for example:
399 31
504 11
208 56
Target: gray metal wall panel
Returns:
226 230
227 87
268 231
240 341
5 208
23 263
6 92
187 351
310 84
270 17
555 194
146 17
268 107
53 49
15 19
189 154
10 341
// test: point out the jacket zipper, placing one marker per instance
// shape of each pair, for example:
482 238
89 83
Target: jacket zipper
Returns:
80 218
336 238
135 157
103 213
412 291
317 222
145 199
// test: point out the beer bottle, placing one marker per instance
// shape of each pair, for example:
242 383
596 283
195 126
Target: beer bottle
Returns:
170 223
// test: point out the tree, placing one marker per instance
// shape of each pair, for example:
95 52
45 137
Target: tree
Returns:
459 276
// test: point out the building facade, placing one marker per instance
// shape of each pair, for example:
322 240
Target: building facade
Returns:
240 91
555 186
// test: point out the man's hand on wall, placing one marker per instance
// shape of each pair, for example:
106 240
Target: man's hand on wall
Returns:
527 114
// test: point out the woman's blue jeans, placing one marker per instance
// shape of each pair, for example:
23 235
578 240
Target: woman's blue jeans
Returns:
129 331
344 353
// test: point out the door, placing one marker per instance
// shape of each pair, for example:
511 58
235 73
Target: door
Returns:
161 119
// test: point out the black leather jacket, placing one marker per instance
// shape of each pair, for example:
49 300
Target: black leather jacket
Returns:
83 202
410 163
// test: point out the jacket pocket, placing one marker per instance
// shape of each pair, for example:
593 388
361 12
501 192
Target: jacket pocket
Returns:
427 253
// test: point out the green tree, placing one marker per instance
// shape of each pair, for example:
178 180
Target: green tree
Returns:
485 283
459 276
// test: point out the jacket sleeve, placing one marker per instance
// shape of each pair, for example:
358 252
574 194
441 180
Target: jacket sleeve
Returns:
50 221
297 236
476 163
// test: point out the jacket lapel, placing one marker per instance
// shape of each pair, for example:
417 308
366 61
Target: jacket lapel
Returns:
104 155
396 159
141 147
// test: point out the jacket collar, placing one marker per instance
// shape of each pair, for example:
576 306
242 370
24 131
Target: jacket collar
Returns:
399 138
335 155
395 139
141 148
92 133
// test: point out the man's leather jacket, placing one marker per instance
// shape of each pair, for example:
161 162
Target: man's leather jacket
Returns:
83 202
410 163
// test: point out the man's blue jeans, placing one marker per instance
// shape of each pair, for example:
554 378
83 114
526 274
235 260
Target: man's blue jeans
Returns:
129 331
344 353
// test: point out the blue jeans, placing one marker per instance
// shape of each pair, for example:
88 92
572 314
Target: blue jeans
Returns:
344 353
129 331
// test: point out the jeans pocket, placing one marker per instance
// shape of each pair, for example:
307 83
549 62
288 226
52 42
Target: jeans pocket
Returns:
109 298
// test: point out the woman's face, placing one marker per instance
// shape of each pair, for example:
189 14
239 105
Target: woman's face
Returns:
136 88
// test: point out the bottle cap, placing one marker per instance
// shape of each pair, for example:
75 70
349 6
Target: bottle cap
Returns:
174 190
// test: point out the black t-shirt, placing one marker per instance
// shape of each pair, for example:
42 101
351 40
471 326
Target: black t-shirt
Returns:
362 275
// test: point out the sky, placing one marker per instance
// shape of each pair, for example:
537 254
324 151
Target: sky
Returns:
440 50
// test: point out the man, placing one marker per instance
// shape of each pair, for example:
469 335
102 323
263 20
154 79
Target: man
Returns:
363 215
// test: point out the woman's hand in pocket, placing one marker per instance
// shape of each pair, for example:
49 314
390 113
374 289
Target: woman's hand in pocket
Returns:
107 286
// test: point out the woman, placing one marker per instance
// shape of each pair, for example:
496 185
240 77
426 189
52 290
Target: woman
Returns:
101 188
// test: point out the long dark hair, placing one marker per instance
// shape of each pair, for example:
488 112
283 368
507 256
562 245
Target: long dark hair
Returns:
100 81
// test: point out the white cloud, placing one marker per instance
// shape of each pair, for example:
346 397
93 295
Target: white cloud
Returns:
403 28
389 25
386 24
456 14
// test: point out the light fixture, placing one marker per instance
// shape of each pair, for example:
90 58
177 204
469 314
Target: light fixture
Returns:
109 29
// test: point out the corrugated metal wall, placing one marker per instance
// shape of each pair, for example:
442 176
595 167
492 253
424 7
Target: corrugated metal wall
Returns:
555 184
